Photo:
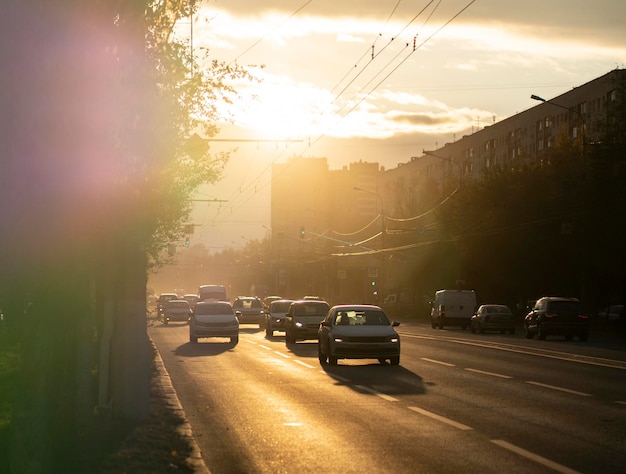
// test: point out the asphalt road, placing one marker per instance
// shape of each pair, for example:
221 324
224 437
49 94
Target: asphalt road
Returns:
458 402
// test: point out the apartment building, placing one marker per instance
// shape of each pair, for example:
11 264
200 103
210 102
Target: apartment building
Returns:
524 138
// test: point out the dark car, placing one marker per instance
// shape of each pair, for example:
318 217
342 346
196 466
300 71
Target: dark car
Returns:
275 316
249 310
554 315
303 319
164 298
358 332
493 317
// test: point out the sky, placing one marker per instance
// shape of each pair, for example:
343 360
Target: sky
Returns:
380 81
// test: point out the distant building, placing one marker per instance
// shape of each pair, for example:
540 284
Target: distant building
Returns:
524 138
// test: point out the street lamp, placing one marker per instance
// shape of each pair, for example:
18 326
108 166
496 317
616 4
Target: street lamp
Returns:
450 160
383 235
580 117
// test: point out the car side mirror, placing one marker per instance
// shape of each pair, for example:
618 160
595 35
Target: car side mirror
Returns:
325 323
395 323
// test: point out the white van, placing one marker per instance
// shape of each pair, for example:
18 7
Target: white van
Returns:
212 293
452 308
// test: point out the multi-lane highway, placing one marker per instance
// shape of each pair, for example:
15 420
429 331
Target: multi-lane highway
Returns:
458 402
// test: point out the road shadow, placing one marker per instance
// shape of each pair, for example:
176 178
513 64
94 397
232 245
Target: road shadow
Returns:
365 375
211 346
306 349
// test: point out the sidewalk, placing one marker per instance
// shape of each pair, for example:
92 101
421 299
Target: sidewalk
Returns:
164 388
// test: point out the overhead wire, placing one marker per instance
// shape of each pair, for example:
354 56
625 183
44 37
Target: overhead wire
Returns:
264 185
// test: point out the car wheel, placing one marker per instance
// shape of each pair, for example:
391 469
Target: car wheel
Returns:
381 360
289 339
433 324
440 323
541 332
268 330
332 360
395 360
193 338
165 321
527 333
320 354
234 340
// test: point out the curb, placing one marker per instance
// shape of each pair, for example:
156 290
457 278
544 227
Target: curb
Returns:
163 383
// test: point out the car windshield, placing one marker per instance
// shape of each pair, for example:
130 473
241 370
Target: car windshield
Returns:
280 306
248 303
178 305
203 309
498 309
312 309
565 306
361 318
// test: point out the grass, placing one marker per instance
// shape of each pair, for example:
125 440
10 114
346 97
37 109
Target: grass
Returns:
153 445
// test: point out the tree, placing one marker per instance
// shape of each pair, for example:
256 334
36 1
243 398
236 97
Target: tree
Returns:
95 177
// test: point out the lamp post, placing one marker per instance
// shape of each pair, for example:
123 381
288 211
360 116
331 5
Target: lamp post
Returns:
383 236
450 160
580 117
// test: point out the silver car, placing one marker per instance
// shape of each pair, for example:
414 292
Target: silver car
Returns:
214 319
176 310
493 317
358 332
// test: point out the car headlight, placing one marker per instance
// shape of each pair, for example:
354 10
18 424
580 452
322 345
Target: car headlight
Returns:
299 324
338 340
394 339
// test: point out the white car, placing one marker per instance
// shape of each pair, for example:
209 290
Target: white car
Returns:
214 319
358 332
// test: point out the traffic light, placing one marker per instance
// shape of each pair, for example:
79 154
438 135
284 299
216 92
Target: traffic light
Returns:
187 242
302 232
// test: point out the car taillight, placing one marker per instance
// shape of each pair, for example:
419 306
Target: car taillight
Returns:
443 310
551 315
583 316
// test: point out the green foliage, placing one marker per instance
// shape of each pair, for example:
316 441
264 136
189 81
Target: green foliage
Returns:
188 95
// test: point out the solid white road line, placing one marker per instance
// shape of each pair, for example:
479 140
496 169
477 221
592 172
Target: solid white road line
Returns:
534 457
443 419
